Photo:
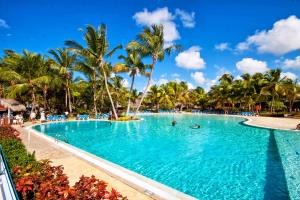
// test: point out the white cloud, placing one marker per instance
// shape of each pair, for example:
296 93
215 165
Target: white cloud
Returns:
190 59
242 46
3 24
159 16
175 75
190 86
187 19
162 81
222 46
251 66
125 83
284 37
292 63
221 70
289 75
198 77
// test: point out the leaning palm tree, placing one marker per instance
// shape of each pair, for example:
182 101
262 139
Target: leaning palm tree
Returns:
133 65
64 60
97 47
151 43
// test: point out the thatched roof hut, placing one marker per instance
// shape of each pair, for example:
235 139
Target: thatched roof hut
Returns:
12 104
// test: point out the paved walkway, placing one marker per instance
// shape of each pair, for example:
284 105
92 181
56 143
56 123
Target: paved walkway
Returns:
274 122
74 167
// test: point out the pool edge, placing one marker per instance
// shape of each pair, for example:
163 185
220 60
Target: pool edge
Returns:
139 182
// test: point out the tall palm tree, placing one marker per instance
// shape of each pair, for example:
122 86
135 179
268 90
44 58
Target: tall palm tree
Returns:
133 65
88 65
64 60
273 85
151 43
96 46
226 89
249 90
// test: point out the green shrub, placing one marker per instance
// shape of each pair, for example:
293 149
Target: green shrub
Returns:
16 154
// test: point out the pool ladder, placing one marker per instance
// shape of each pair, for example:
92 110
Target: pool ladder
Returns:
62 137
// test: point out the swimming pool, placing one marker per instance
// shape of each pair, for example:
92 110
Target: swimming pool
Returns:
224 159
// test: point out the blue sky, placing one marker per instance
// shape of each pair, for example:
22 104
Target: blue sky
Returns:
217 36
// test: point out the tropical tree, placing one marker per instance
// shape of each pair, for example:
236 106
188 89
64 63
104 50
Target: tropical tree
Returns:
24 73
248 90
151 43
153 96
64 61
273 85
292 90
88 65
97 46
133 65
166 96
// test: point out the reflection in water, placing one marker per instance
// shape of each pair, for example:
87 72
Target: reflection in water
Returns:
276 185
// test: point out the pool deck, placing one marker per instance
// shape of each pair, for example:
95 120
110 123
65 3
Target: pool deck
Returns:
273 122
74 166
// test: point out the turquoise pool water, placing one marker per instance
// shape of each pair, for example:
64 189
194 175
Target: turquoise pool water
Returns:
224 159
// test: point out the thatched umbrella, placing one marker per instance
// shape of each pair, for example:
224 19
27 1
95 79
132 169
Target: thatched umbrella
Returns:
11 105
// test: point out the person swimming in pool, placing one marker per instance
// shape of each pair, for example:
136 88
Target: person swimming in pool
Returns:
174 122
195 126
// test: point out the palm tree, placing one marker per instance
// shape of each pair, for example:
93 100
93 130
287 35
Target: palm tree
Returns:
154 96
166 96
133 65
22 71
226 89
97 47
273 85
291 89
47 77
88 65
64 60
249 90
151 43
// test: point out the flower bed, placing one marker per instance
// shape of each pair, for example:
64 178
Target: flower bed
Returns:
40 180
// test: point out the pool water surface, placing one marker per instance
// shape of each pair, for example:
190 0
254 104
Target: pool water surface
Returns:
224 159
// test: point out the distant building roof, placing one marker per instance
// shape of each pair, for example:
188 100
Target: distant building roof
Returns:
12 104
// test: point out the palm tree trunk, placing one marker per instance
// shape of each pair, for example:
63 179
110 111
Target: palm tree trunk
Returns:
129 99
45 97
33 101
108 92
144 93
94 93
147 87
69 96
272 103
66 98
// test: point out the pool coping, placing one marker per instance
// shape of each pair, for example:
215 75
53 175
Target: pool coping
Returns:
139 182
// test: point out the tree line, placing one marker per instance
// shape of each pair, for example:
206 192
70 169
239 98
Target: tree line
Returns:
48 80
